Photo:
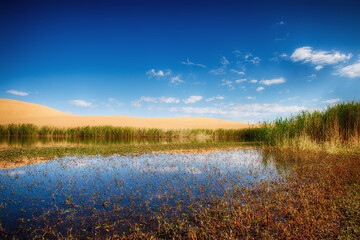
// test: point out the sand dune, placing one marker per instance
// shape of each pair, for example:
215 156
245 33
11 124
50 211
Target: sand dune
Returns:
12 111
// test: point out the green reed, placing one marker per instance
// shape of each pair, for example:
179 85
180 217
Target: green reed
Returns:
123 132
338 124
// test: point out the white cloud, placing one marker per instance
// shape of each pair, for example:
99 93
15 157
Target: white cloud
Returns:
169 100
224 61
240 80
199 110
331 101
319 67
253 81
160 73
281 23
176 80
218 97
219 71
193 64
278 57
260 89
242 110
273 81
15 92
192 99
80 103
319 58
250 98
351 71
255 60
238 72
138 102
228 83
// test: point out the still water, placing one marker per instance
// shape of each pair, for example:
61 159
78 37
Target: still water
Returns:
21 141
75 191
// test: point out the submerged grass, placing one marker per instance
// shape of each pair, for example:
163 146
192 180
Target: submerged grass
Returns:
317 197
19 154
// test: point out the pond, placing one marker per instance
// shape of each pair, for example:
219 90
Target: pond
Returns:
83 193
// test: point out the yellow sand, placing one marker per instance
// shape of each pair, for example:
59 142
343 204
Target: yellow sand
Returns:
12 111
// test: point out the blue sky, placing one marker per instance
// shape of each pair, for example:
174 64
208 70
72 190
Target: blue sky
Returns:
237 60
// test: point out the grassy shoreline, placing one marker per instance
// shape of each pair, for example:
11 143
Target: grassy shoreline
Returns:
336 125
333 130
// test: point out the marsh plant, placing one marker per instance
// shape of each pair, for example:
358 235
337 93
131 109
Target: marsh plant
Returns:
337 125
246 194
114 132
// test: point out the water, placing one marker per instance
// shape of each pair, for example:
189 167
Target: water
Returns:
80 192
35 141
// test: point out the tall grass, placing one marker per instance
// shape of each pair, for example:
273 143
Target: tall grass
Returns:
337 125
124 132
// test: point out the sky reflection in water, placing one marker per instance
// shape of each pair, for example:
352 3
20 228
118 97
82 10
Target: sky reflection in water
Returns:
125 182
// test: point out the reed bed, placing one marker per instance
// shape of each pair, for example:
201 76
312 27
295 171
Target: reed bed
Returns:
337 125
113 132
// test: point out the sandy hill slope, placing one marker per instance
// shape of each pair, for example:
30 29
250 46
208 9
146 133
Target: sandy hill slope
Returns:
12 111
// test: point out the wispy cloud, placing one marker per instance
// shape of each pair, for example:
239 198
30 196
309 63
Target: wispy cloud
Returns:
219 71
242 110
240 80
15 92
176 80
260 89
231 84
253 81
273 81
193 64
158 74
224 61
113 100
238 72
192 99
289 99
138 102
218 97
250 98
312 76
80 103
319 58
247 57
281 23
279 56
227 83
331 101
199 110
350 71
319 67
